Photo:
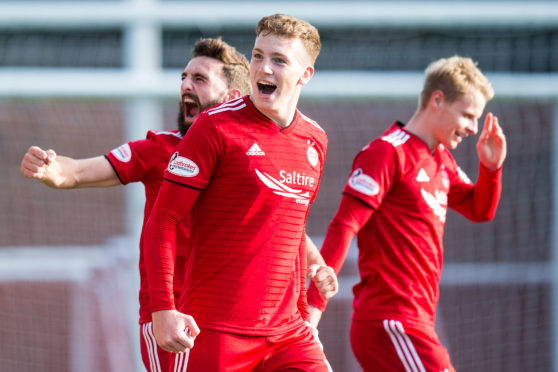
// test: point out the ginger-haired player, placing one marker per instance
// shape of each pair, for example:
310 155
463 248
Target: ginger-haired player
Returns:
247 171
216 72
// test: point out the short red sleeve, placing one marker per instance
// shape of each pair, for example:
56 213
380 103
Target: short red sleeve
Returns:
197 155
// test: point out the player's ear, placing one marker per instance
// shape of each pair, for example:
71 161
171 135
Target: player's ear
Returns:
437 98
307 75
234 93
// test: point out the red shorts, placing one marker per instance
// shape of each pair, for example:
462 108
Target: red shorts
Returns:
154 358
296 350
392 346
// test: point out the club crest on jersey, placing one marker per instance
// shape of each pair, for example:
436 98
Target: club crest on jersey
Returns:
312 155
182 166
363 183
123 153
280 188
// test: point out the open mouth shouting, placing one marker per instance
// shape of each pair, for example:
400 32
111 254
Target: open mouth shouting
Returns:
191 106
266 88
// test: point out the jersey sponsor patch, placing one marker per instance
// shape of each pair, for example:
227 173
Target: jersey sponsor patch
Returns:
123 153
280 188
182 166
363 183
437 202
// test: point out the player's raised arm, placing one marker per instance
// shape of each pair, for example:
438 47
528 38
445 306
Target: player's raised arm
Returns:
61 172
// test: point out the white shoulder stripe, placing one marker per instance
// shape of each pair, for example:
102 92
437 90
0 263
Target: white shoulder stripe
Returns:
311 121
216 111
176 134
396 138
226 104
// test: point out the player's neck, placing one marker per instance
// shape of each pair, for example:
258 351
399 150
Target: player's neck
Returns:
419 125
283 116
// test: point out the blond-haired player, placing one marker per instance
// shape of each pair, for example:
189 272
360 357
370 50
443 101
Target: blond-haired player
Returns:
395 201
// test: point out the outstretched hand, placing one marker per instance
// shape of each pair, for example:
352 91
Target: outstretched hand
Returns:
491 145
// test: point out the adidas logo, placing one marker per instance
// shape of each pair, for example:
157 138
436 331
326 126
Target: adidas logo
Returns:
255 150
422 176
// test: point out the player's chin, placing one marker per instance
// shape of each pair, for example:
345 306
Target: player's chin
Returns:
188 120
454 142
263 97
452 145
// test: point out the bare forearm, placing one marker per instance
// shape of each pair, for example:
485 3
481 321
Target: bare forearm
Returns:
314 256
68 173
62 172
95 172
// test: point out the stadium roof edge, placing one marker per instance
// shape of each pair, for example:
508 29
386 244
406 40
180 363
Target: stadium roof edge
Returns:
244 13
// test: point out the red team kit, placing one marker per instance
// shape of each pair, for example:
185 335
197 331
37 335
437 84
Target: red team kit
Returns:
145 161
407 189
261 179
257 174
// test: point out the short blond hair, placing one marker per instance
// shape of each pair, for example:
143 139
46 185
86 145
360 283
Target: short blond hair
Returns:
291 27
455 77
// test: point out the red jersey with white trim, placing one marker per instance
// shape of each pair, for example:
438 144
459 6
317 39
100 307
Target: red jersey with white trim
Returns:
257 182
145 161
400 246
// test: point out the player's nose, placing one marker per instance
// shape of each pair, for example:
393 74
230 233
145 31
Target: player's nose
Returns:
473 128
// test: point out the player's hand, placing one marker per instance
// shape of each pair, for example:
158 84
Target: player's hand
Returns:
174 331
315 316
324 279
39 164
491 146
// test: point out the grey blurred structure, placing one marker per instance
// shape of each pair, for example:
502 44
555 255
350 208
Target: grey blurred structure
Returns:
84 77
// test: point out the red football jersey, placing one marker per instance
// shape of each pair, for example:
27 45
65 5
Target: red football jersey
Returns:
145 161
257 181
400 245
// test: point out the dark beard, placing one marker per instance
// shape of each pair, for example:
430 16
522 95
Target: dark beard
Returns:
182 126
